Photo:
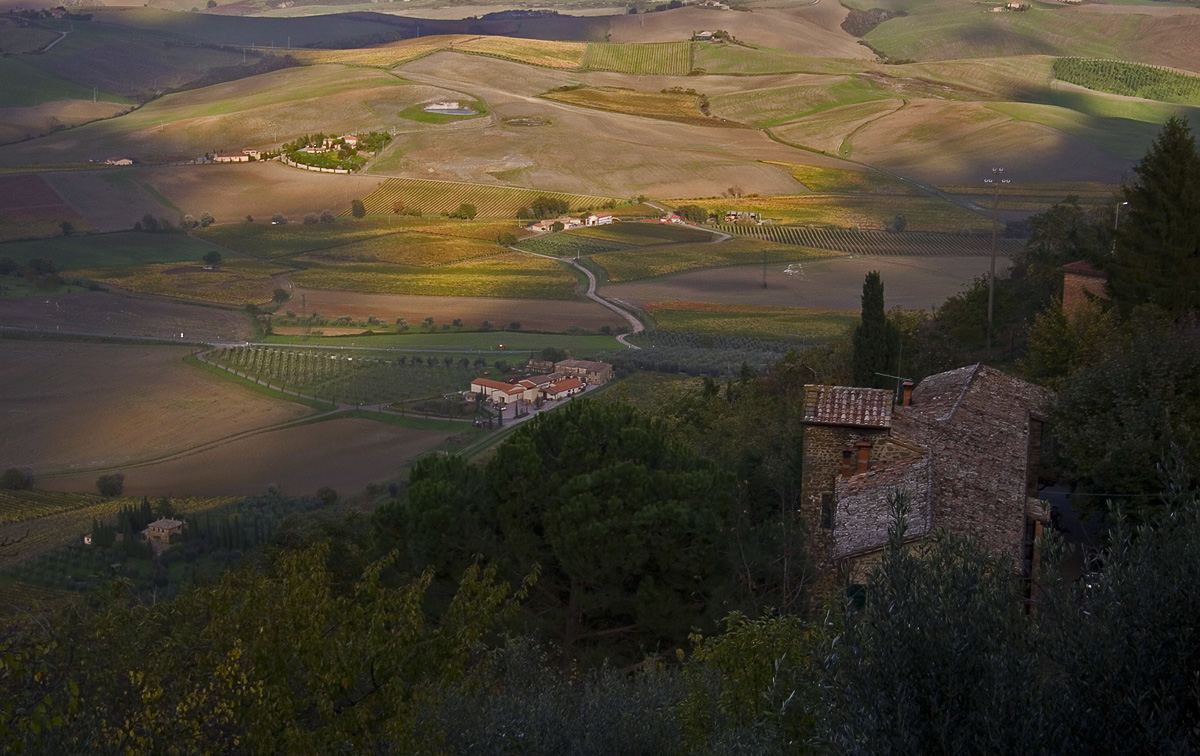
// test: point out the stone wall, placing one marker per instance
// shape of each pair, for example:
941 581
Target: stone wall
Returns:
864 507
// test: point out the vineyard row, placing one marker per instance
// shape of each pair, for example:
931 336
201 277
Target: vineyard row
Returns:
909 244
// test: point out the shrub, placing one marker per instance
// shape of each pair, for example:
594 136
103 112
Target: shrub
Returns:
310 219
278 219
327 495
327 216
357 208
110 484
15 479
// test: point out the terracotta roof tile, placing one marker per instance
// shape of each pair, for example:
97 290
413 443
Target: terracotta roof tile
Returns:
844 405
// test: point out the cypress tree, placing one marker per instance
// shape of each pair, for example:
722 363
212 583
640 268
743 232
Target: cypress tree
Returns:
876 341
1157 254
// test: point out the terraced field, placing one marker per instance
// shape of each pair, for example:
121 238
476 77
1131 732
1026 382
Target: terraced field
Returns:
907 244
661 59
442 197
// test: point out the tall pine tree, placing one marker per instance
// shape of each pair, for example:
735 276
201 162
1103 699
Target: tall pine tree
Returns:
1157 256
876 340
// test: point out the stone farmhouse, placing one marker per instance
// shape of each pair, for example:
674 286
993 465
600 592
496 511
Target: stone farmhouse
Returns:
592 373
964 447
599 219
162 530
528 390
231 157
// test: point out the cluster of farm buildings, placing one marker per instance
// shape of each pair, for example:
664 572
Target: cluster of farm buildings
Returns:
562 381
245 156
569 222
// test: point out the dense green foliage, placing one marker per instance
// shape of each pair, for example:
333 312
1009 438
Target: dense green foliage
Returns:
624 523
1157 256
1130 400
876 340
1132 79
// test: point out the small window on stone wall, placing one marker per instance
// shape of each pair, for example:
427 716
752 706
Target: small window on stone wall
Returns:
856 594
827 511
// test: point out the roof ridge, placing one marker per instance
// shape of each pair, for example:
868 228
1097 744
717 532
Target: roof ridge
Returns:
962 394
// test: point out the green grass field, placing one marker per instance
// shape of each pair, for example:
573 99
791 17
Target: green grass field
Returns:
637 264
268 241
568 245
662 59
419 250
643 234
840 181
237 282
753 321
26 84
756 60
507 275
945 29
472 341
418 113
110 250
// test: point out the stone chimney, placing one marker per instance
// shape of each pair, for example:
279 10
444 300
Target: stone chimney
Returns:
864 448
906 394
847 462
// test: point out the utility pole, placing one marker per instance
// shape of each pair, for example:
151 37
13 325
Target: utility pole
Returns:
1116 225
995 181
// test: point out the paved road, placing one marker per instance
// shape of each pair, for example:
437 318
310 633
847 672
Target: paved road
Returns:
634 324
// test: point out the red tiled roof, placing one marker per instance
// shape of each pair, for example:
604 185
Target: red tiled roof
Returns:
569 384
507 388
843 405
1083 268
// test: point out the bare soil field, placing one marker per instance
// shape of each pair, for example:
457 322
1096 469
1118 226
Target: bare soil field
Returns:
23 123
111 200
834 284
533 314
29 206
231 192
625 156
117 313
256 111
934 140
83 406
813 30
345 454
